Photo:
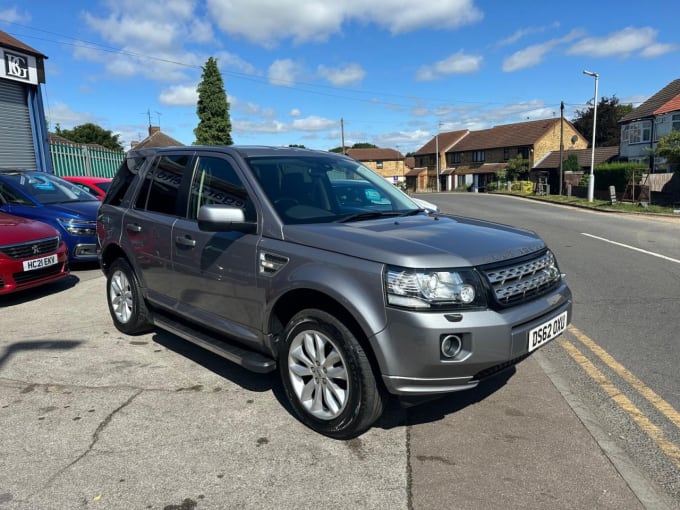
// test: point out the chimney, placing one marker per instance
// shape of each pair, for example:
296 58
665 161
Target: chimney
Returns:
154 129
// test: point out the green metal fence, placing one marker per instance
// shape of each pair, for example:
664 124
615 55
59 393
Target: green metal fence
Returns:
76 159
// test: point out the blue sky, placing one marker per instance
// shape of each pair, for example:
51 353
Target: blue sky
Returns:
395 71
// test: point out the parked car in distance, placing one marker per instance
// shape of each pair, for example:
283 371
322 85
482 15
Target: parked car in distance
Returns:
309 263
97 186
32 253
45 197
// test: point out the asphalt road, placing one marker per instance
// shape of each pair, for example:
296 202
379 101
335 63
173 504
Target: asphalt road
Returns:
624 272
91 418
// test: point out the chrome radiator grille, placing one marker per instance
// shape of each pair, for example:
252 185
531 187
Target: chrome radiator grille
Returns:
522 281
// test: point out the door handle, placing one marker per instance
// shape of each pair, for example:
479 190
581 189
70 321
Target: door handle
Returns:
134 227
185 241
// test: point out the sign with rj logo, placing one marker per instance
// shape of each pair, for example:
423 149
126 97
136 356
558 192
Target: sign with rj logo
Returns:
16 66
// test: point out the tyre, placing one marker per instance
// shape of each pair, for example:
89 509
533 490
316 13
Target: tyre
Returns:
126 303
327 377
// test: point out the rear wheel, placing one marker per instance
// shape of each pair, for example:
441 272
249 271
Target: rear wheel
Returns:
327 376
126 303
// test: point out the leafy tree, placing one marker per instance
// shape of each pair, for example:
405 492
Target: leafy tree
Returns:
609 113
91 133
361 145
669 147
516 167
214 124
570 164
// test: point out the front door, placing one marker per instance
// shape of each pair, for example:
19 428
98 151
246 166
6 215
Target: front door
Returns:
217 271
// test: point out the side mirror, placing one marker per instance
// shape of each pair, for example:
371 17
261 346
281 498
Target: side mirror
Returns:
222 218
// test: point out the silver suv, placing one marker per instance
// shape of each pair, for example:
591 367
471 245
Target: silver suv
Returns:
309 263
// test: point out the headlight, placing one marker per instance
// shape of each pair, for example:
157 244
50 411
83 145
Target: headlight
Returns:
430 288
78 227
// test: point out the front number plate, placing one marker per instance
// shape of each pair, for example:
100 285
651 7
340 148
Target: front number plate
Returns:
542 334
30 265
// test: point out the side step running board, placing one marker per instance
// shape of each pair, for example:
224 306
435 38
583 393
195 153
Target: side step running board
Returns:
250 360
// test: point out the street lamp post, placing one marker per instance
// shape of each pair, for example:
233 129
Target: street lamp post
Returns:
591 181
436 143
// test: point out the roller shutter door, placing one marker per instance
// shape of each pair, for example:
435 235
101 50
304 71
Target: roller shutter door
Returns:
16 143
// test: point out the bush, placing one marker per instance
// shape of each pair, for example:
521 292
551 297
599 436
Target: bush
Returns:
617 174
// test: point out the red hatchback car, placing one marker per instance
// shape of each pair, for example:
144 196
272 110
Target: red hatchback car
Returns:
97 186
31 254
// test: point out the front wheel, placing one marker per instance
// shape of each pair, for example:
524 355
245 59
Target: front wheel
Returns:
126 303
327 376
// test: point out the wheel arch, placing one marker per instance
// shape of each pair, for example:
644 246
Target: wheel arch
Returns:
300 299
109 254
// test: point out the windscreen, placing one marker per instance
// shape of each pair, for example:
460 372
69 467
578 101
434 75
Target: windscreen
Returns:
318 189
49 189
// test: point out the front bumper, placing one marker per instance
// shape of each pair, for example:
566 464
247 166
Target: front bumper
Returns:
408 350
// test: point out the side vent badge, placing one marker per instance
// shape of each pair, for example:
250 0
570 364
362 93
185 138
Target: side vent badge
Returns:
270 263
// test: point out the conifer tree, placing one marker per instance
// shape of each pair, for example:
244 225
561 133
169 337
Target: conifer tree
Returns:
214 124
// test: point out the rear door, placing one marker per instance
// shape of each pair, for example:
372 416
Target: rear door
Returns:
147 225
216 271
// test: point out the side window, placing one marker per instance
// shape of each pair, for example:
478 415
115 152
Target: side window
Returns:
216 182
12 197
162 184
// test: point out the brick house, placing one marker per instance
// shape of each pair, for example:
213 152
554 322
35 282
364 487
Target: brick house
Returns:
389 163
642 128
473 158
550 164
156 138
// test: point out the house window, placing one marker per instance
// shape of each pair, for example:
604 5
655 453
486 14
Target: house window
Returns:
639 132
478 156
524 152
455 157
675 122
506 154
379 165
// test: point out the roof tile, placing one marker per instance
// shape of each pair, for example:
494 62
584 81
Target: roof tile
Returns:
657 101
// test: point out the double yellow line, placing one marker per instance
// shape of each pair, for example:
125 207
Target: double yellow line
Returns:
671 450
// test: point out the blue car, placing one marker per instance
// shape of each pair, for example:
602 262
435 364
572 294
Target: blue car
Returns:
52 200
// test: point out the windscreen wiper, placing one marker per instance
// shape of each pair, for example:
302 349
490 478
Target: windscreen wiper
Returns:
371 215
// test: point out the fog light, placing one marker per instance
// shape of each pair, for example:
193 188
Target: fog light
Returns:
451 346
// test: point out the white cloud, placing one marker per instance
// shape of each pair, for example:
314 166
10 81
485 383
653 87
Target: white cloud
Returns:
284 72
403 139
313 123
14 15
533 55
62 114
266 22
622 44
250 127
295 112
528 57
458 63
340 76
179 95
150 37
658 49
226 60
523 32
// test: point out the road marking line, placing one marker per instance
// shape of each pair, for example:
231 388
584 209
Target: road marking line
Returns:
671 259
654 432
662 406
